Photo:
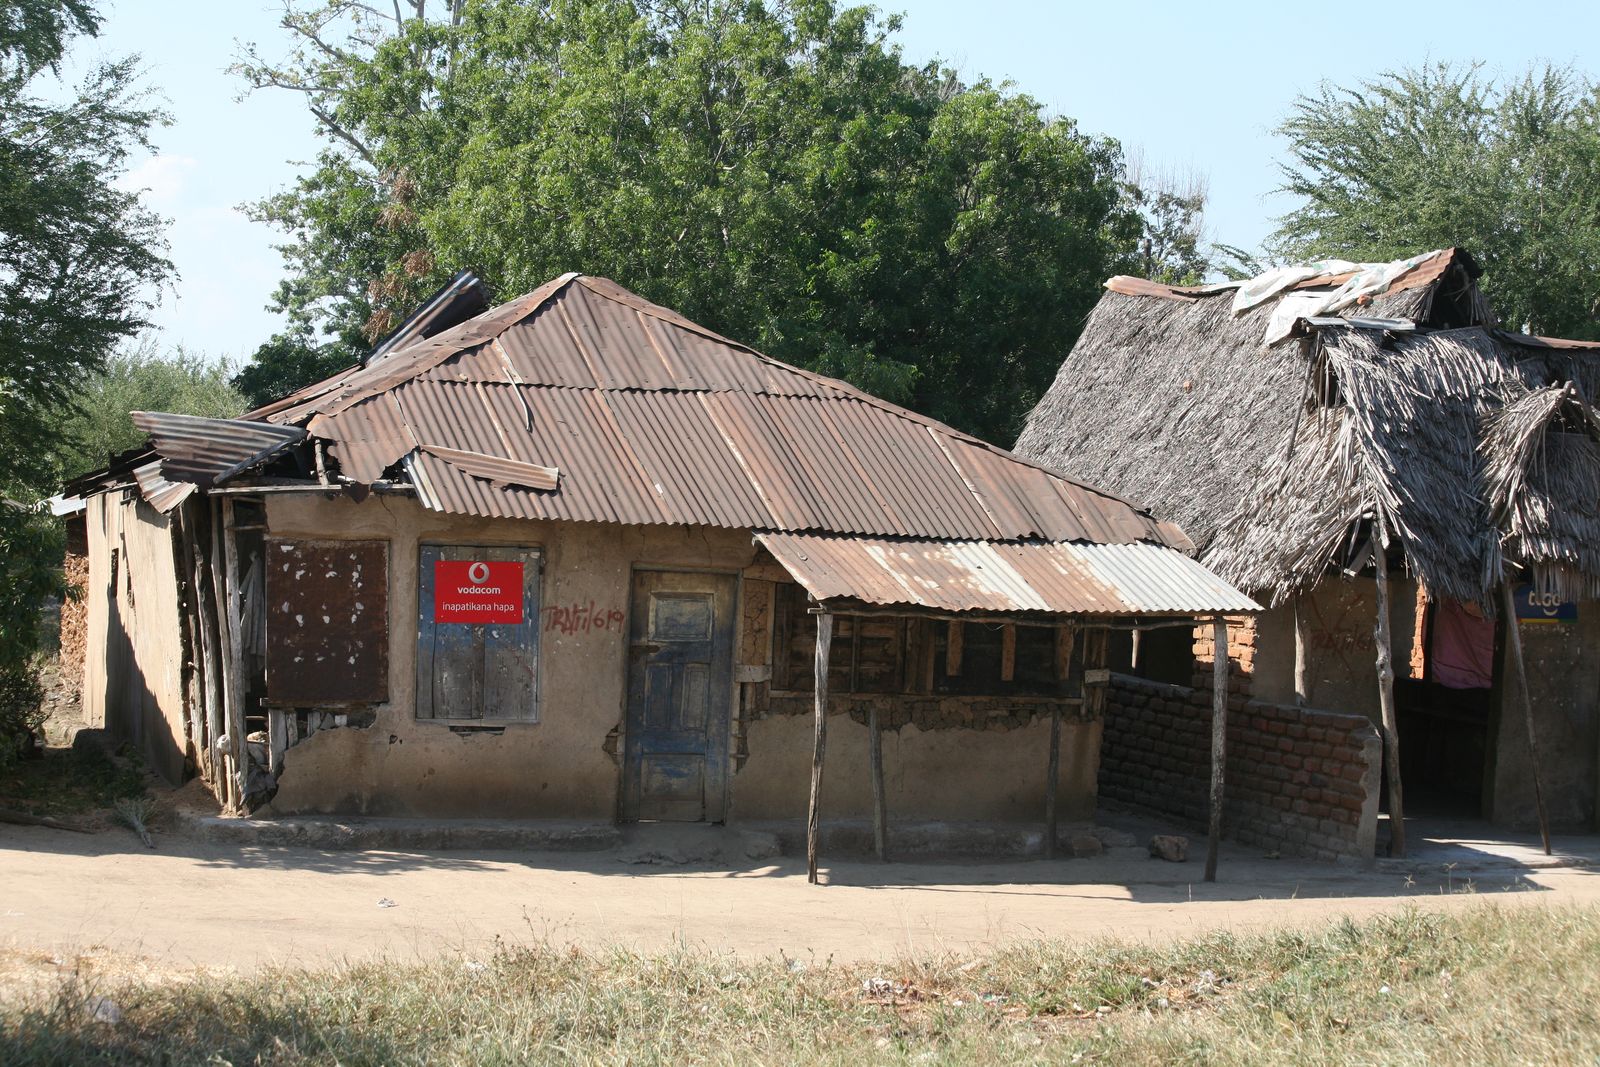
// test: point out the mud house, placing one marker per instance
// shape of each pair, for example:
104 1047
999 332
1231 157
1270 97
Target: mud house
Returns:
1411 490
574 556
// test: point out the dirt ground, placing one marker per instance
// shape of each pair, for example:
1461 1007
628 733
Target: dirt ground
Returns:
192 904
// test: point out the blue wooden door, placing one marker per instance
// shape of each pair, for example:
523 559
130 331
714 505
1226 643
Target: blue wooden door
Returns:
680 693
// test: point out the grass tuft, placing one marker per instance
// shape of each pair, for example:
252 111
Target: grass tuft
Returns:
1486 985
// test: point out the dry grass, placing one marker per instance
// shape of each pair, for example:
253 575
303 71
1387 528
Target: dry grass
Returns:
1483 986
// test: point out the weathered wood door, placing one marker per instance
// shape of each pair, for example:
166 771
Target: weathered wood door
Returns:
680 691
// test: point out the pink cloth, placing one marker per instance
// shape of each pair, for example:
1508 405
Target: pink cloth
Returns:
1463 646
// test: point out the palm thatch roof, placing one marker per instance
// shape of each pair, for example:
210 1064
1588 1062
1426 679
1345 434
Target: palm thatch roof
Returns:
1410 418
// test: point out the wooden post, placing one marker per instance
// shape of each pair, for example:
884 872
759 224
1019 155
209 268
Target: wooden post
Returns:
233 655
813 820
1302 642
1008 652
1391 727
1219 739
1052 774
952 649
1513 631
880 806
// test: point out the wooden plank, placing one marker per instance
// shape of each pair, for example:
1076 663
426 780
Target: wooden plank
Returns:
1064 642
277 739
880 807
1302 648
1514 631
952 649
1219 739
1065 637
819 741
1391 726
233 657
1008 652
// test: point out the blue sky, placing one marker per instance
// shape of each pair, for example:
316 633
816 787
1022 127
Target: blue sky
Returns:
1194 88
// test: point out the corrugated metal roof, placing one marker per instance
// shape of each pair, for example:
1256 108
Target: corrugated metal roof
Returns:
653 419
1004 578
207 451
161 494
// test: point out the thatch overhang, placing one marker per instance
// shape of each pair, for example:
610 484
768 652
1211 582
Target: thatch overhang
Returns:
1282 461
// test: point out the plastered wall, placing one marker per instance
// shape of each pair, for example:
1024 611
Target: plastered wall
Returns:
1563 661
133 664
560 766
1342 661
556 768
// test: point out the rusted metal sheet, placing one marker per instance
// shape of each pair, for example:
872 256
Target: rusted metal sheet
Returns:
327 622
1131 286
208 451
1004 578
163 495
461 298
653 419
495 470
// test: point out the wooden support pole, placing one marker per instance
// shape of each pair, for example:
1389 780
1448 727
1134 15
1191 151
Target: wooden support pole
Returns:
880 805
952 649
1052 774
1219 739
234 654
1302 643
813 816
1391 725
1008 652
1513 631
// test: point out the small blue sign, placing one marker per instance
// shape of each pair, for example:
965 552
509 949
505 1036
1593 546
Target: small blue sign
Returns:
1543 607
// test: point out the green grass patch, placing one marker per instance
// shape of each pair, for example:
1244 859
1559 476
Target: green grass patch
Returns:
1483 985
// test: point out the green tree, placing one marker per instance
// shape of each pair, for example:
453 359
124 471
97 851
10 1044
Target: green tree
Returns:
774 169
143 378
1441 155
76 255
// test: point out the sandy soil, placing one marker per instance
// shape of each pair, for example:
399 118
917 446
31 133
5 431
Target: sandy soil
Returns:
188 904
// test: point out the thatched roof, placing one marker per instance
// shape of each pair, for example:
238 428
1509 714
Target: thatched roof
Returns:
1281 461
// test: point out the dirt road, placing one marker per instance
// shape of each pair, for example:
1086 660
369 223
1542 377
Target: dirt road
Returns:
194 904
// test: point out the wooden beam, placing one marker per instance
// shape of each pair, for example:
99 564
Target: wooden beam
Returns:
1008 652
1391 727
1219 739
819 742
225 779
235 661
1514 632
1052 774
880 805
1302 643
952 649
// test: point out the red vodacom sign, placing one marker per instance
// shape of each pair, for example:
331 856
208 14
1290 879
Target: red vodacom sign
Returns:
477 591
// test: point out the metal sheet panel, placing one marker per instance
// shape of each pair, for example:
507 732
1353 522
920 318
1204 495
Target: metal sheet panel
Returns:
327 622
1004 578
208 451
653 419
163 495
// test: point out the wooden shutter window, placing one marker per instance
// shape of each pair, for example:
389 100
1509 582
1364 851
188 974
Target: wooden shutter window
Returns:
469 670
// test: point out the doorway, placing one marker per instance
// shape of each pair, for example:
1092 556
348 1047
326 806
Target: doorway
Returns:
680 691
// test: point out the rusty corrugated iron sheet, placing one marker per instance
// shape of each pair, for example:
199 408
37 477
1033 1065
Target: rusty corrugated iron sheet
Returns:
496 470
461 298
327 608
158 492
1004 578
653 419
207 451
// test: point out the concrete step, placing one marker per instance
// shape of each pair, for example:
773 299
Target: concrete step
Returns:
335 833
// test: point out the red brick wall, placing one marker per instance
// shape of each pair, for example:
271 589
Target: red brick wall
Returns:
1299 781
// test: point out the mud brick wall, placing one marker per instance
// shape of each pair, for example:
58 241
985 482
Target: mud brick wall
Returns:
1300 781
